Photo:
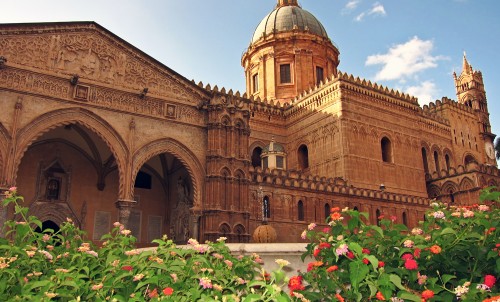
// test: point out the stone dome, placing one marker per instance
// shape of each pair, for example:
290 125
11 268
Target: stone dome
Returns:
289 18
264 233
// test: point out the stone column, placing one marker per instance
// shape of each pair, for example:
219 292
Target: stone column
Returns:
124 208
195 217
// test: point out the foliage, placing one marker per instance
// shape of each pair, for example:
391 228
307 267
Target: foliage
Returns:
62 266
452 255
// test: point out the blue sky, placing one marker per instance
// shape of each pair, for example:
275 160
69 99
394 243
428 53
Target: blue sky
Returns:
410 45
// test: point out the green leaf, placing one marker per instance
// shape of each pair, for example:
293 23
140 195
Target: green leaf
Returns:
447 278
356 248
357 272
378 230
447 231
396 280
408 296
252 297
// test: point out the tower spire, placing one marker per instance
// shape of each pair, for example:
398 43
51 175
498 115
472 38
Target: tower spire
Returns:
287 3
466 68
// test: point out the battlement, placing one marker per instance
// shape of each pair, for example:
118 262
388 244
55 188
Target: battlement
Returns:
294 180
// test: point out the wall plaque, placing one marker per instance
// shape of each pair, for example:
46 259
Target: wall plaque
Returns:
102 224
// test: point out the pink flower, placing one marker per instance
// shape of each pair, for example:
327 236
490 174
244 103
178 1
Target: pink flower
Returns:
408 243
228 263
303 235
311 226
205 282
342 249
13 189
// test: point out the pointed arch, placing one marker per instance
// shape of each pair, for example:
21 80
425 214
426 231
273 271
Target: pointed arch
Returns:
53 119
182 153
466 184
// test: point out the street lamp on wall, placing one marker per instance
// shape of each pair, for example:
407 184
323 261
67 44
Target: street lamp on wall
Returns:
382 187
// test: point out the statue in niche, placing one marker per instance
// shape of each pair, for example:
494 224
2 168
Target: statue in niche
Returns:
180 213
53 189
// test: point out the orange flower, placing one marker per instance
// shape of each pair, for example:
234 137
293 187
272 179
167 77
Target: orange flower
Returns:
435 249
427 294
335 209
379 296
332 268
168 291
492 299
339 297
336 216
314 264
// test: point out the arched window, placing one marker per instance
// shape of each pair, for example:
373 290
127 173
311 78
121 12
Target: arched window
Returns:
303 157
256 161
405 219
447 161
300 210
469 159
327 210
386 147
356 209
436 161
379 217
266 207
424 158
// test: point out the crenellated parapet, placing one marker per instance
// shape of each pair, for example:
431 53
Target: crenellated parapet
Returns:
296 181
438 105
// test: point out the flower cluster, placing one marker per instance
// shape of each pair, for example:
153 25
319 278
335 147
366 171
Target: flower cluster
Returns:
452 255
65 266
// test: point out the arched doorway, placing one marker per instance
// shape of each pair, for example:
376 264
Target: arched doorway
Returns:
48 225
70 172
164 192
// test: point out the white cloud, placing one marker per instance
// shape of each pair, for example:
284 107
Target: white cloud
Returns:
404 60
377 9
359 17
426 92
351 5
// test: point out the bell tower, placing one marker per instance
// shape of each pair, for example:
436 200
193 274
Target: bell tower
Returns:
471 93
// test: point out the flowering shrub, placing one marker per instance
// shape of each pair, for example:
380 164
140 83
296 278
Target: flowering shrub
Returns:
62 266
453 255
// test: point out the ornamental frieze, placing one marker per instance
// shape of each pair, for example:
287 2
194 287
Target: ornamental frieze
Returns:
54 87
94 57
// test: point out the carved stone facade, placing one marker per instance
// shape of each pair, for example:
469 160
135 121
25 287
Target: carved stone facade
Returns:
95 130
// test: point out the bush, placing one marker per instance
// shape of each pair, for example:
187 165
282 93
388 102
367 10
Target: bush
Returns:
453 255
63 266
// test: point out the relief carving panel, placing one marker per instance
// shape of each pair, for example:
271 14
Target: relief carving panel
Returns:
94 56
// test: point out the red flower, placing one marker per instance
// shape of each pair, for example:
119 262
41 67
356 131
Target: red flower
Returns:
316 253
416 252
339 297
365 251
295 283
127 268
411 264
381 264
153 294
324 245
366 261
326 230
332 268
168 291
335 209
490 280
314 264
350 255
407 256
427 294
379 296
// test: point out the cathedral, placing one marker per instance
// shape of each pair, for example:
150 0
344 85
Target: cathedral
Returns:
98 131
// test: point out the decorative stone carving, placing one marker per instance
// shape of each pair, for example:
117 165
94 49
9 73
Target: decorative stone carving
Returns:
92 55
